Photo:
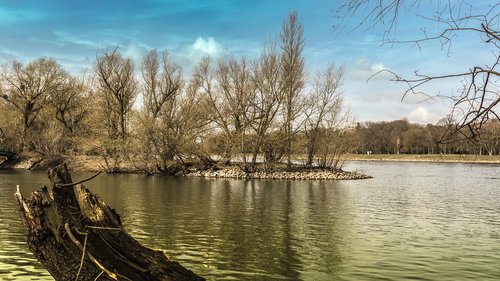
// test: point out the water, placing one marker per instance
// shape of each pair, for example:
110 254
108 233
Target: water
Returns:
413 221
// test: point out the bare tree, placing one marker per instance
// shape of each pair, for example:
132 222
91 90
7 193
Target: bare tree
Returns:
162 80
176 135
490 137
191 126
292 62
162 85
118 89
9 127
69 104
478 99
268 98
235 91
28 88
227 89
324 110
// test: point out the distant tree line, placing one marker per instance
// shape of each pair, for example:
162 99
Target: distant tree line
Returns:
251 110
402 137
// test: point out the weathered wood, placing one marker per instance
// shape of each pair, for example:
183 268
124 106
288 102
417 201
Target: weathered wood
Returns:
76 236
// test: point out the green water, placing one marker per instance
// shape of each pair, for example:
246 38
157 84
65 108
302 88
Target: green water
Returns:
413 221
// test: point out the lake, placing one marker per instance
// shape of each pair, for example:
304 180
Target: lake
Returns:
413 221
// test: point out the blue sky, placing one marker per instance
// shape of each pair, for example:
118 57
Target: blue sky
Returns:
73 31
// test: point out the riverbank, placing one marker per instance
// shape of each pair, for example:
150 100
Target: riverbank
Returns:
95 163
442 158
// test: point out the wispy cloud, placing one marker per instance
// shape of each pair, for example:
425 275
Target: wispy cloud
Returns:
6 56
204 47
364 69
67 37
133 50
187 55
14 16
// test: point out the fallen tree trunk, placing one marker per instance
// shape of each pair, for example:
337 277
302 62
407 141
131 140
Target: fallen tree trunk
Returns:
76 236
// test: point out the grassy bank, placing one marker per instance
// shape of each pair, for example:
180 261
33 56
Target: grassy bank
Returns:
444 158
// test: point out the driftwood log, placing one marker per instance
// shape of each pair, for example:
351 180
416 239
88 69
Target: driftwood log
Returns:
76 236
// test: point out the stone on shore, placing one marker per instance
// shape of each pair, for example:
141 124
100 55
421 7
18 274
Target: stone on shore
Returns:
296 174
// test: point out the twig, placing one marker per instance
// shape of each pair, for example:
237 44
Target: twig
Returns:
97 277
78 182
91 257
104 228
83 256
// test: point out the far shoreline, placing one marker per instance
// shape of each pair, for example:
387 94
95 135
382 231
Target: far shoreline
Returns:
300 172
430 158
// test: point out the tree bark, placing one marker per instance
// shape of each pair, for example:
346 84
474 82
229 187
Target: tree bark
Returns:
76 236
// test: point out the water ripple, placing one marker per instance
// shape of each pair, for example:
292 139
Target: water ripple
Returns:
413 221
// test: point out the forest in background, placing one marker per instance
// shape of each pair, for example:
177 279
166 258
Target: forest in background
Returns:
403 137
265 109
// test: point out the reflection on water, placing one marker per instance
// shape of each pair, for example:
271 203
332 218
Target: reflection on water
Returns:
412 221
16 261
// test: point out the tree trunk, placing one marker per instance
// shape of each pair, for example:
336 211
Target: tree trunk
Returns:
76 236
256 149
311 149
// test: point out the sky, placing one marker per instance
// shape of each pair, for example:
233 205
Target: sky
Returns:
73 32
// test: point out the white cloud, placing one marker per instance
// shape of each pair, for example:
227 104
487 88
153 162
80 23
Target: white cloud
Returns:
190 54
421 115
363 69
205 47
134 50
376 67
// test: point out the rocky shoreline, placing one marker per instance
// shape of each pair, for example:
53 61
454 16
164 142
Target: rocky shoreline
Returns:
297 174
